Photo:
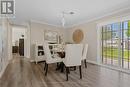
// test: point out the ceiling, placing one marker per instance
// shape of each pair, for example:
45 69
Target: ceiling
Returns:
50 11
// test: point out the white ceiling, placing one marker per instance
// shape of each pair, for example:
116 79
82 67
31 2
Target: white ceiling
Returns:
50 11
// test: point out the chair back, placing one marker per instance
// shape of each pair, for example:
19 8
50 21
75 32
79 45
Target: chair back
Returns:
73 54
85 50
47 52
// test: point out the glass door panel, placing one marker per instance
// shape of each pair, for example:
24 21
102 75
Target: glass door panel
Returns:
116 44
125 40
110 50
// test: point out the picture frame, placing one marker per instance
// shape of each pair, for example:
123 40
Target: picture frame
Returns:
51 36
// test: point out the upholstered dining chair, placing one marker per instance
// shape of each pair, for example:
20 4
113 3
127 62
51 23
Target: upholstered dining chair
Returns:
84 56
49 57
73 56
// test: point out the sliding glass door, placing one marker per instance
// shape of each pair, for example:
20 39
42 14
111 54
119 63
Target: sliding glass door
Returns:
116 44
125 40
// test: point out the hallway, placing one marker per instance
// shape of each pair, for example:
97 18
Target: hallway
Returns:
21 73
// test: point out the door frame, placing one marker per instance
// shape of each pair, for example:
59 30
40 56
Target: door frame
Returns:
26 41
99 25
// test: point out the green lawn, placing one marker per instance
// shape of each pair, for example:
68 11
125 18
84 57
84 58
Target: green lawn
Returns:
113 53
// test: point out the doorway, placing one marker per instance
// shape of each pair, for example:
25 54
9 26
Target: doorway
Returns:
115 44
18 40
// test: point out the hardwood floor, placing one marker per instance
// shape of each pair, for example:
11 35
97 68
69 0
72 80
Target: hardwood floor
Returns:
21 73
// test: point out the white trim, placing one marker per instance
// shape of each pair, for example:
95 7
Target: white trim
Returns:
40 22
16 25
28 40
82 22
110 67
25 28
32 60
102 16
93 62
98 44
117 19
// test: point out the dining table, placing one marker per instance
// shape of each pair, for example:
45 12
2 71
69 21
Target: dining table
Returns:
60 66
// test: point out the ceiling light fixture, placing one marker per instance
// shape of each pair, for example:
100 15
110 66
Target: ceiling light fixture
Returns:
63 17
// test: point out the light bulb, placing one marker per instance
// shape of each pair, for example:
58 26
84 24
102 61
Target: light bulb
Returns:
63 21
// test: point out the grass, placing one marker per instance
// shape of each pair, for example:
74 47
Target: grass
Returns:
114 53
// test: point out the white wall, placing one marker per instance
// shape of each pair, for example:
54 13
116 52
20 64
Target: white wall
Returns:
9 41
27 42
90 32
4 45
37 33
90 37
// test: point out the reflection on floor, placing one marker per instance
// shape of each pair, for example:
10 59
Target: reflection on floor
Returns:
21 73
115 62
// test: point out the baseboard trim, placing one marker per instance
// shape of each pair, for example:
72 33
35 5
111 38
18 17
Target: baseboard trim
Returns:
110 67
32 60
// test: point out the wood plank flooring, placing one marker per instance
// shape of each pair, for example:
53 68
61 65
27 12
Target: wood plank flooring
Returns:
21 73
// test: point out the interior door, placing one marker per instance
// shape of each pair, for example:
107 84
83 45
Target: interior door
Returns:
21 47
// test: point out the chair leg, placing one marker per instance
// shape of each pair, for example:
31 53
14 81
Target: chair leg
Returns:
46 69
80 72
85 63
62 67
67 70
57 64
36 62
45 66
74 67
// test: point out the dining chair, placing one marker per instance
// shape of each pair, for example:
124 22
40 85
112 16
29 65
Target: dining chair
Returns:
73 55
84 56
49 57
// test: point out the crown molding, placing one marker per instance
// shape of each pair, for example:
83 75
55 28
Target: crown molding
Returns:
82 22
97 18
41 22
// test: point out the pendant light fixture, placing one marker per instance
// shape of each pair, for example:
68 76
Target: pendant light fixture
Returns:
63 17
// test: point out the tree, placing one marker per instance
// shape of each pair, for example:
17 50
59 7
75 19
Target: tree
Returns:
106 32
107 35
128 31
